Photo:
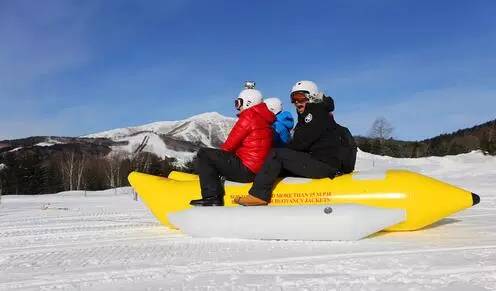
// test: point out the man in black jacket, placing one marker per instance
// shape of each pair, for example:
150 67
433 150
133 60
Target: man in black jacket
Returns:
316 150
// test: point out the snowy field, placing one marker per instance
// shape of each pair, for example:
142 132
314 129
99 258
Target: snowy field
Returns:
107 241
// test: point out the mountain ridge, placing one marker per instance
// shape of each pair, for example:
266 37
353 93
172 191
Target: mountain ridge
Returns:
36 165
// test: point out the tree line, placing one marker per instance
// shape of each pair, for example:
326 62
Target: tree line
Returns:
380 141
33 172
90 164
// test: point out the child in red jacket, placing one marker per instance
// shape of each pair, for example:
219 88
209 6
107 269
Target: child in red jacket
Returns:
243 153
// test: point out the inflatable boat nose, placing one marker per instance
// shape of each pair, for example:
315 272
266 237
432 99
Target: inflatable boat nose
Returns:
475 199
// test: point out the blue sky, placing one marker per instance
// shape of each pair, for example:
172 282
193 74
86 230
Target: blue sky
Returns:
78 67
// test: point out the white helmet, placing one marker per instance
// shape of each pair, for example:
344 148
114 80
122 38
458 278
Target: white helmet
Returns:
311 90
274 105
248 98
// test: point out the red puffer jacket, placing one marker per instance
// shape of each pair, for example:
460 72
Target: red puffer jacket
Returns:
251 137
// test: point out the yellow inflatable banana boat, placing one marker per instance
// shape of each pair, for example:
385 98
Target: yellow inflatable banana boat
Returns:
426 200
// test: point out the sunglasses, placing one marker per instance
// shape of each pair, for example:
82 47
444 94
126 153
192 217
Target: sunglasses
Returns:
299 97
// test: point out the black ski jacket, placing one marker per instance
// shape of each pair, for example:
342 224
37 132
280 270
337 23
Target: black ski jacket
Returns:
319 135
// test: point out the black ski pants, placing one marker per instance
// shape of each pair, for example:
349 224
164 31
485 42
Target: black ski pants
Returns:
291 162
211 164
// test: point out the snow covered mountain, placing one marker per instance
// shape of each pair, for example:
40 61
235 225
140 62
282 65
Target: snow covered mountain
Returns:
173 139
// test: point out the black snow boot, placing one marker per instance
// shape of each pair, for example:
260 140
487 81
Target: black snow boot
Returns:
208 201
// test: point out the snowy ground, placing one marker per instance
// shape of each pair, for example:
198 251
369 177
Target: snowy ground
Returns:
107 241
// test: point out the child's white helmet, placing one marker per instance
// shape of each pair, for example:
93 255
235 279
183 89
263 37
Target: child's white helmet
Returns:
274 105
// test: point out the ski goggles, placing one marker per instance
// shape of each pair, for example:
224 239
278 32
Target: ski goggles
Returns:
299 97
238 103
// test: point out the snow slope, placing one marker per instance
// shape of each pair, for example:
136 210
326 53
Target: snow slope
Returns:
154 144
48 143
178 139
107 241
158 127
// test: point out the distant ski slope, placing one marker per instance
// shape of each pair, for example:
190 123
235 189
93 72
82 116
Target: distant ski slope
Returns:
176 139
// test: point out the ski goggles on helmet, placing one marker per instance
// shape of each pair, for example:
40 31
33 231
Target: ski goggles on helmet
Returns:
238 103
299 96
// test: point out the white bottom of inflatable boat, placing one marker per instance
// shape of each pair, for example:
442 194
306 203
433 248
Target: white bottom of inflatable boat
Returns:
312 222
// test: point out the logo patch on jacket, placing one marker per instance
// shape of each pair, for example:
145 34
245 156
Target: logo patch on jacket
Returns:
308 118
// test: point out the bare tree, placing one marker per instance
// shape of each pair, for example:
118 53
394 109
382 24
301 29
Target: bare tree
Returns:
67 169
381 129
113 168
80 170
142 162
2 168
72 166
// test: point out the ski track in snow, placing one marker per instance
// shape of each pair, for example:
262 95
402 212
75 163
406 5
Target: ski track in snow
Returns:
107 241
